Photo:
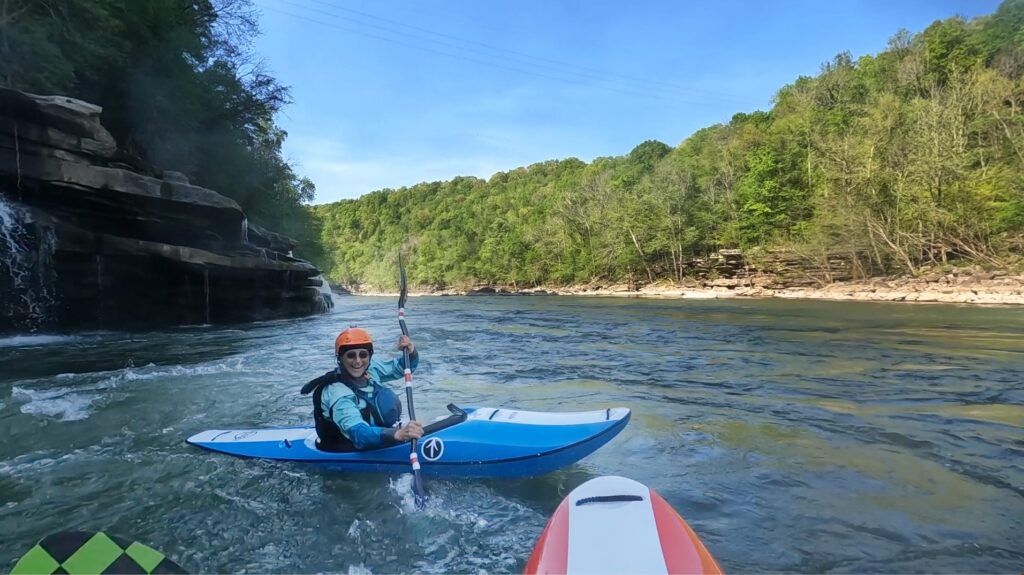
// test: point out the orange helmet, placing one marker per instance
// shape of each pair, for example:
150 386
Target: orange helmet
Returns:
353 337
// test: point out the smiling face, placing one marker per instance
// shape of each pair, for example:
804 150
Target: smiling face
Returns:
355 361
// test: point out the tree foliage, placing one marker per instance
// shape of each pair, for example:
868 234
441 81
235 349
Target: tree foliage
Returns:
901 159
179 89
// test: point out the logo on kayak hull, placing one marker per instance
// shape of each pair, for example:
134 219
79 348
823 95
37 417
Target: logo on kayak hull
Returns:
432 449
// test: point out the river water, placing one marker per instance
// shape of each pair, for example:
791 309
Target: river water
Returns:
793 436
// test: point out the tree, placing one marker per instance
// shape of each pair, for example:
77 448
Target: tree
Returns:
178 85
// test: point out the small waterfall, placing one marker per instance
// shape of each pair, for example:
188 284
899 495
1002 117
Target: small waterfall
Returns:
46 273
26 268
245 231
326 295
10 229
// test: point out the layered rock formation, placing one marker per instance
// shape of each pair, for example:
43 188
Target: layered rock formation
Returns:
92 238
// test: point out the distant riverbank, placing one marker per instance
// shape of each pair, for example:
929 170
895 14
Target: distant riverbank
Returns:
988 288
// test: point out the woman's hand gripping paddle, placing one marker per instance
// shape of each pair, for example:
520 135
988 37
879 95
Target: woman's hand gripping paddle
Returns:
420 491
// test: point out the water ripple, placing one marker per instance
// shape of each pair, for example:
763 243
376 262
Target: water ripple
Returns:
793 436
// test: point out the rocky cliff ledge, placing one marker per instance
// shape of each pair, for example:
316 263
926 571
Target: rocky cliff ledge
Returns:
92 238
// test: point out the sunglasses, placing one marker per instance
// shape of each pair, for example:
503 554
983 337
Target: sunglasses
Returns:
352 354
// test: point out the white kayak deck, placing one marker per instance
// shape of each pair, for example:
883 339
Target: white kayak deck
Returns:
491 414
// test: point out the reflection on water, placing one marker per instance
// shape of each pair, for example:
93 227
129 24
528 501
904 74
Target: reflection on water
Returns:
793 436
1012 415
995 413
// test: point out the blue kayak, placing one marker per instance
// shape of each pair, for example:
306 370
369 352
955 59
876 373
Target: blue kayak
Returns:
475 442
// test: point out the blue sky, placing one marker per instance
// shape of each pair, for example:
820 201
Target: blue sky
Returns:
390 93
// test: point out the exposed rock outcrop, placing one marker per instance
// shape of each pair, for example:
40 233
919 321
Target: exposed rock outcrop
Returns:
92 237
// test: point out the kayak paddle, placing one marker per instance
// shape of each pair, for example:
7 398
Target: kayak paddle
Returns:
421 493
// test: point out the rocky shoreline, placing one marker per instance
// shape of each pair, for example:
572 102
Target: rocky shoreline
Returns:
974 287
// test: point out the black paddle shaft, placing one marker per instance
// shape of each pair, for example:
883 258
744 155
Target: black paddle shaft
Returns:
421 492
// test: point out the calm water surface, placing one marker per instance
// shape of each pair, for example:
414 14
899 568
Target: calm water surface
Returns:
793 436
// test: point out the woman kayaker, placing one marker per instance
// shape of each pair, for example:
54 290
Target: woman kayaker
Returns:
351 409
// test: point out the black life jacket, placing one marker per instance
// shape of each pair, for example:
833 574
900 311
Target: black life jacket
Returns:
383 409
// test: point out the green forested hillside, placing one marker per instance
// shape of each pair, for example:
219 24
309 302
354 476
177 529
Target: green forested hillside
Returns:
179 89
897 160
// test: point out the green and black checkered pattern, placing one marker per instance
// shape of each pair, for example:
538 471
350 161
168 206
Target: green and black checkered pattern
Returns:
92 553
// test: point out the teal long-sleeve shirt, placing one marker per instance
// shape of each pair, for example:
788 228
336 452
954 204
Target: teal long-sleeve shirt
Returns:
344 406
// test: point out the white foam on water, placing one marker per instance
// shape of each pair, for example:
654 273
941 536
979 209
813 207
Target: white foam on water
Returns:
459 509
153 371
441 504
35 340
402 486
228 365
15 467
85 391
40 462
64 403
